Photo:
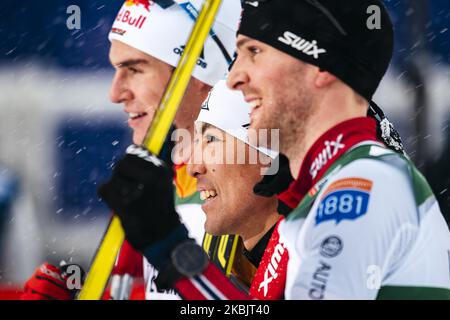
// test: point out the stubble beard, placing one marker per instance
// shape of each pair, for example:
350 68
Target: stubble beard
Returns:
291 115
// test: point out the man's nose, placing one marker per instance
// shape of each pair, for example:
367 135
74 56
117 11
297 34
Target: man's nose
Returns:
119 91
196 165
238 76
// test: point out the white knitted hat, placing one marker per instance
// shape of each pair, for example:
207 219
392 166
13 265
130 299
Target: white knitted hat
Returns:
227 110
163 33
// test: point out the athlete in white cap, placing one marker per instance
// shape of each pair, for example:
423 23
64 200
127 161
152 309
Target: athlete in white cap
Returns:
230 205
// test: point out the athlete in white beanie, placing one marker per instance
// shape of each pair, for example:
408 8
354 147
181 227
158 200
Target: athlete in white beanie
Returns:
227 110
146 44
147 40
226 173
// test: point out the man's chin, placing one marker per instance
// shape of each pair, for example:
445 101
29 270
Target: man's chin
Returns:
260 123
138 138
259 135
213 229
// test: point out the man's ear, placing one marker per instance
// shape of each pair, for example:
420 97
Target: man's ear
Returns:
323 79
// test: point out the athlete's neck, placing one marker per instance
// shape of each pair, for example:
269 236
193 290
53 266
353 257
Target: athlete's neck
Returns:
325 151
335 107
251 238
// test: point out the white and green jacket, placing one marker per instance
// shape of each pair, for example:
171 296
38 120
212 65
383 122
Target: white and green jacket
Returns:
371 228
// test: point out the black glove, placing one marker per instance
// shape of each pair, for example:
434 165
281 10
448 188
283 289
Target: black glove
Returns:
141 193
271 185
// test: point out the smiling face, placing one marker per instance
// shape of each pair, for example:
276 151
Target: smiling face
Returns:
230 205
281 96
139 84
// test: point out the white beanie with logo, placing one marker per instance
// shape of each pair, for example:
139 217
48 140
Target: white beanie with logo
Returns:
163 33
228 111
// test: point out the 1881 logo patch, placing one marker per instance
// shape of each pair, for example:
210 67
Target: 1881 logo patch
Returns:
345 199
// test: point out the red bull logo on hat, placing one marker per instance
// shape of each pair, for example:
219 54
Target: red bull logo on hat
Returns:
130 19
145 3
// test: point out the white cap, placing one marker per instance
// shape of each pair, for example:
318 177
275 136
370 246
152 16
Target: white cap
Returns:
163 33
227 110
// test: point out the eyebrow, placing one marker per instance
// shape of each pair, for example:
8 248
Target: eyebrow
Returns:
241 42
129 63
205 126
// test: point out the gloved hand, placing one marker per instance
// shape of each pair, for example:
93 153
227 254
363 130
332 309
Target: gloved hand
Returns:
141 193
271 185
51 283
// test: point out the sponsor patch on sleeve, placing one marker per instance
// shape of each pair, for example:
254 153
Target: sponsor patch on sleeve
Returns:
345 199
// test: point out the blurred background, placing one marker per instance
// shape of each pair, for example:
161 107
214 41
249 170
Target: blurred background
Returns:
60 135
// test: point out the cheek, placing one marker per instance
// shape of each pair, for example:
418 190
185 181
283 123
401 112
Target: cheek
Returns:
151 86
272 69
148 95
261 79
214 154
240 181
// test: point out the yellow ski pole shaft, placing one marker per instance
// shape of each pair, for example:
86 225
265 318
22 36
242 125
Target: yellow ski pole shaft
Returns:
106 254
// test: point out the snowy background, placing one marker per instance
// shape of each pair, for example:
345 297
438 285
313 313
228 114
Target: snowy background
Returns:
59 134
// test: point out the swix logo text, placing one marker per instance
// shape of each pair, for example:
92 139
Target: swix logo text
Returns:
328 152
271 272
134 21
145 3
309 48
